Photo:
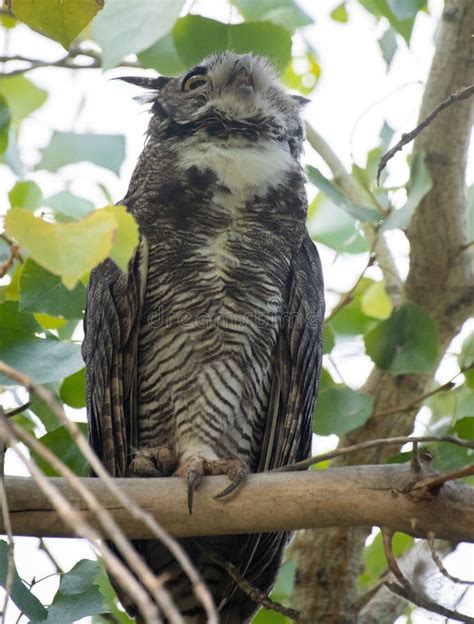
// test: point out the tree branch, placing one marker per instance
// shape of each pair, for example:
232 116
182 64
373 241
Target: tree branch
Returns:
348 496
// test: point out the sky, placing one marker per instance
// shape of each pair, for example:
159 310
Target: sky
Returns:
354 96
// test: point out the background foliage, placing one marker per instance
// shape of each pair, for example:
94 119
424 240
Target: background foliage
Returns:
50 243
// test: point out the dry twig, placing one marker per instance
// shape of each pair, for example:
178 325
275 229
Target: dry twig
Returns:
462 94
397 441
74 519
199 587
8 528
435 481
404 589
437 559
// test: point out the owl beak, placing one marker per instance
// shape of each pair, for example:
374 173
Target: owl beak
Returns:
241 76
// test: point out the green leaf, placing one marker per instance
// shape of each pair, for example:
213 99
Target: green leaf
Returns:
124 27
14 320
375 302
363 213
302 73
73 390
464 428
22 96
42 359
41 291
26 194
466 357
104 150
163 57
329 338
110 598
62 21
339 14
375 562
450 456
78 595
46 416
406 9
419 185
333 227
381 8
341 409
125 237
196 37
388 46
60 443
405 343
285 13
69 250
68 207
24 599
5 119
351 320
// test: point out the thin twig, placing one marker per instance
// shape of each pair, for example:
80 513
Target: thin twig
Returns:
250 590
426 603
437 559
404 589
17 410
462 94
113 531
82 529
434 481
200 589
397 441
8 528
44 547
348 296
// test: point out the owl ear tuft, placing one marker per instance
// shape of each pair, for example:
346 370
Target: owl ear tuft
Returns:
154 84
301 100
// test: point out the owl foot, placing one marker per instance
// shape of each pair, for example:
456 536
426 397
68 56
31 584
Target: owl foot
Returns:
196 467
158 461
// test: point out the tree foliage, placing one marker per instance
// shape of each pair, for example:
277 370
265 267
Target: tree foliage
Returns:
51 243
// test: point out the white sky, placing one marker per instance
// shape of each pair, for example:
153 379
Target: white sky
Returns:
353 98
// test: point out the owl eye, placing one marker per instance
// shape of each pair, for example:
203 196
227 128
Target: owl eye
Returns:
195 81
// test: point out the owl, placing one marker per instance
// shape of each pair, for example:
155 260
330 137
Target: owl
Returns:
204 357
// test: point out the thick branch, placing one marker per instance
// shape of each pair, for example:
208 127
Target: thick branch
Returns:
349 496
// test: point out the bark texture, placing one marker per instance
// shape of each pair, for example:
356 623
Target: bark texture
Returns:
341 497
440 280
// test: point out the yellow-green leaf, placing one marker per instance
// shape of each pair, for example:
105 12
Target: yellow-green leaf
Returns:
65 249
375 302
125 236
62 21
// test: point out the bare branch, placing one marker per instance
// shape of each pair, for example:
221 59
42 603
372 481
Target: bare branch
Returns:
461 94
435 481
357 496
439 564
407 591
368 444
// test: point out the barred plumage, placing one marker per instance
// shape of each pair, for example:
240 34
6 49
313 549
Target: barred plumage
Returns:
207 354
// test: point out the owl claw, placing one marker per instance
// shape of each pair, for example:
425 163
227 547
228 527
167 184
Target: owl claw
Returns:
236 482
193 479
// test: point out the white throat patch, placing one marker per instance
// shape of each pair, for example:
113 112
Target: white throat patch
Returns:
252 168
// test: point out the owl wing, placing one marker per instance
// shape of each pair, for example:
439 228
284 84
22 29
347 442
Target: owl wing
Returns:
296 364
110 352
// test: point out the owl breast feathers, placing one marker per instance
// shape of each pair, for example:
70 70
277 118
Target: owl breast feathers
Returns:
204 358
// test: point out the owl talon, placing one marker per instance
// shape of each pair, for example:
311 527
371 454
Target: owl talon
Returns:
236 482
193 480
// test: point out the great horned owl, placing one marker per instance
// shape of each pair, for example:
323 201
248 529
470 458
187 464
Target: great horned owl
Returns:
204 358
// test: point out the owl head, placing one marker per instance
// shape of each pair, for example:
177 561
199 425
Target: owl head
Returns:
225 94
